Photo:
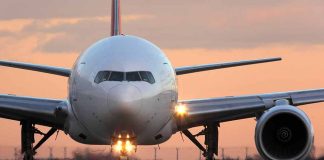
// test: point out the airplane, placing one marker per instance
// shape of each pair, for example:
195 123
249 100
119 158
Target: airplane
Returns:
123 92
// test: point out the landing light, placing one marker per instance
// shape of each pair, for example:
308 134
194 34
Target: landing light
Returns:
119 146
181 110
129 147
124 145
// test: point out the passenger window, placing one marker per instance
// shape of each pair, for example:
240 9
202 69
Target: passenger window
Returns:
132 76
147 77
102 76
116 76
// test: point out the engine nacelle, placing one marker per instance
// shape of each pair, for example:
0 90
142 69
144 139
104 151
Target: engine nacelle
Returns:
284 132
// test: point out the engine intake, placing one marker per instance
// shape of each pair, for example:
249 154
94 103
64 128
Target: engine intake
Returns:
284 132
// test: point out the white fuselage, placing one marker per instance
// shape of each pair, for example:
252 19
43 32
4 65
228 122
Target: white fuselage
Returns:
98 110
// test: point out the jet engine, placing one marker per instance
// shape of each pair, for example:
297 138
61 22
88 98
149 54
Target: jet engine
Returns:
284 132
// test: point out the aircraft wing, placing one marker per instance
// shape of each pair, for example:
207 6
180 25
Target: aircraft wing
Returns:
40 68
206 67
48 112
234 108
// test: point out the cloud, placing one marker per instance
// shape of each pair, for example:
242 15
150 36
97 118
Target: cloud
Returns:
14 25
38 9
77 34
61 35
62 27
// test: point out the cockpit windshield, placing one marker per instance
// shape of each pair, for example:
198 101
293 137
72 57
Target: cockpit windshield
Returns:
102 76
147 77
133 76
116 76
124 76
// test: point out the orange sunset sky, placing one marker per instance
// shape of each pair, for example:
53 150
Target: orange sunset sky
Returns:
190 32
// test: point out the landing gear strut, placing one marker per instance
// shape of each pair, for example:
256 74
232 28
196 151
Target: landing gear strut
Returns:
211 140
27 140
28 132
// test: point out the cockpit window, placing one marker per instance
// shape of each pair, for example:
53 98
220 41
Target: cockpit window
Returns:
102 76
151 78
147 77
133 76
116 76
122 76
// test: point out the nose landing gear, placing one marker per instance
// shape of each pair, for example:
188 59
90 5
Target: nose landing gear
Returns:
124 144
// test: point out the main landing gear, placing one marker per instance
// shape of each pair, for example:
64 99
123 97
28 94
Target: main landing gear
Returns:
28 132
211 140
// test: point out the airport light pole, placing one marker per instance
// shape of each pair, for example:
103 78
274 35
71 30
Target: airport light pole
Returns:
51 153
155 150
65 153
223 155
177 153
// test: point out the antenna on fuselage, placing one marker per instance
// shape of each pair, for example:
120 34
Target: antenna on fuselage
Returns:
115 18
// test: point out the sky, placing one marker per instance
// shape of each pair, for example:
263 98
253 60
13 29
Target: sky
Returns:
189 32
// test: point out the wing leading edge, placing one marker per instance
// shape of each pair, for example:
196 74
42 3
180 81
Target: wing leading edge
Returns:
200 68
40 68
48 112
234 108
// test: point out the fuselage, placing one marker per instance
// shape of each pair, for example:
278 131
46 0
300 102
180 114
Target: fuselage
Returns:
122 83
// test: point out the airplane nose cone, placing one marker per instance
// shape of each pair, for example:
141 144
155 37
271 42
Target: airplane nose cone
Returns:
124 100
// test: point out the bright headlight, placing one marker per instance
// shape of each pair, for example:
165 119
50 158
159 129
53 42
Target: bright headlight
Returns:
119 146
129 146
181 110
